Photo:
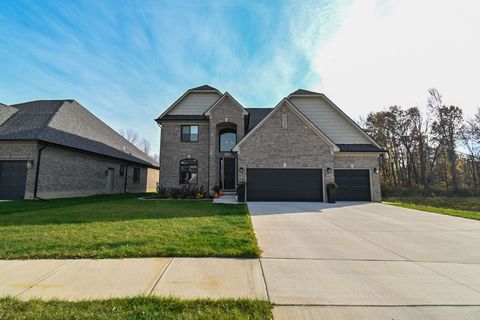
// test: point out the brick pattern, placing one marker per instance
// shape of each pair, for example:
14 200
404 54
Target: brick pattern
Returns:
173 150
297 146
70 173
224 115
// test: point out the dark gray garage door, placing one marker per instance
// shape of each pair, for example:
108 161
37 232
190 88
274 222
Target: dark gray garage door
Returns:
13 177
284 185
353 185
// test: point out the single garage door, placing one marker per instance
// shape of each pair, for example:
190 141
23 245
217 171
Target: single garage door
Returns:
353 185
13 177
284 185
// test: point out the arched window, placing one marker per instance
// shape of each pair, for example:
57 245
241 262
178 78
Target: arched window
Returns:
228 140
188 171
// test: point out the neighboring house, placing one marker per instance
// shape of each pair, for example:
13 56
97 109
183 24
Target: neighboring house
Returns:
57 148
288 153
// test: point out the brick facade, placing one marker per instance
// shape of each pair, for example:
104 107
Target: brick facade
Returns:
173 150
297 146
71 173
269 146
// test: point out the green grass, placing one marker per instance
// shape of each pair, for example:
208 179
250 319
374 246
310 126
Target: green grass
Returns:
135 308
121 226
468 207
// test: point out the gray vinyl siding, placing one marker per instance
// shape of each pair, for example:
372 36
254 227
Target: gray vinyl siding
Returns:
195 103
329 120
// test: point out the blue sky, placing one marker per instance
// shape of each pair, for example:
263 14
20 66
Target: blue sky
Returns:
126 61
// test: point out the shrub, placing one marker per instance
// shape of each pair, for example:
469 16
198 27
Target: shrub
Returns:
184 192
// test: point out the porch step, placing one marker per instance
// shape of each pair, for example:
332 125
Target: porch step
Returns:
226 198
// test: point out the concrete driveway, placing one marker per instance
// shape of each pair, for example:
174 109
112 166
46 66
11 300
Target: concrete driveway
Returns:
367 261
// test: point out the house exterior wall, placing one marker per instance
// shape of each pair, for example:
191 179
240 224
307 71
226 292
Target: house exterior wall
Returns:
223 115
297 146
173 150
22 150
71 173
362 161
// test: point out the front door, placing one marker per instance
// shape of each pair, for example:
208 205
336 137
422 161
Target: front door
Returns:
227 173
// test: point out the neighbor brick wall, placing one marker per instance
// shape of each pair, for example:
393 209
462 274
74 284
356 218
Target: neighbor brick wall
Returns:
19 150
70 173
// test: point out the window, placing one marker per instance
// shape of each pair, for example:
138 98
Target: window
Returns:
122 170
189 134
228 140
188 171
136 175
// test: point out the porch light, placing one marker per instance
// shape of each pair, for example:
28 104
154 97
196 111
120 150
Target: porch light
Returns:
375 170
241 169
329 170
29 164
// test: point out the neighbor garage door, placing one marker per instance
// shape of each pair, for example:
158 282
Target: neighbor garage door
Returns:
284 185
353 185
13 177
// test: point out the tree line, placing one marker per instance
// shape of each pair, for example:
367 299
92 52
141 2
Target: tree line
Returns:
434 150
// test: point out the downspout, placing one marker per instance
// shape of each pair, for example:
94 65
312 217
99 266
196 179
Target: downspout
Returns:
126 178
37 173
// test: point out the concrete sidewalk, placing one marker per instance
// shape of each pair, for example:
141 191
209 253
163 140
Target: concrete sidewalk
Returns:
98 279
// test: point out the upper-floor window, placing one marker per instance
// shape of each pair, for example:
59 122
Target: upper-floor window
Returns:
228 140
188 171
189 133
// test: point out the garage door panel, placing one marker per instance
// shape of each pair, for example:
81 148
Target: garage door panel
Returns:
284 185
353 185
13 177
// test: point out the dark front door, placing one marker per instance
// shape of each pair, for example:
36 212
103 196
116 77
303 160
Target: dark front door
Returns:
353 185
227 173
284 185
13 178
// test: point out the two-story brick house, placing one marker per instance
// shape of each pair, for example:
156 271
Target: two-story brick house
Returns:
286 153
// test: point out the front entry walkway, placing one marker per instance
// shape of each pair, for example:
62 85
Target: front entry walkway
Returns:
367 261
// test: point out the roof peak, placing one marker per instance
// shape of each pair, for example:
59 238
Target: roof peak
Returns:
35 102
305 92
205 87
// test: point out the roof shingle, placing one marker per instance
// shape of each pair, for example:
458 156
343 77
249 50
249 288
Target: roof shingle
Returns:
67 123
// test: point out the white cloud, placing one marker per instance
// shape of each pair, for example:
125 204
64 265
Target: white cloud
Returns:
386 53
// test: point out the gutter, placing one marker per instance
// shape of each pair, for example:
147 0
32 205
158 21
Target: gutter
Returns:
37 173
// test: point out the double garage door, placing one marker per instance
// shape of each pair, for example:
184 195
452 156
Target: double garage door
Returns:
13 177
305 185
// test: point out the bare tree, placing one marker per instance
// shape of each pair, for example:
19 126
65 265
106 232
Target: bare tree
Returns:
144 145
131 135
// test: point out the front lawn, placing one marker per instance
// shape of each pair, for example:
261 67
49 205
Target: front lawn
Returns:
468 207
135 308
120 226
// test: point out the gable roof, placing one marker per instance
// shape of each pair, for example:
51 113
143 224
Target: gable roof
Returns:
255 116
311 94
304 92
201 89
67 123
225 95
205 87
299 114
